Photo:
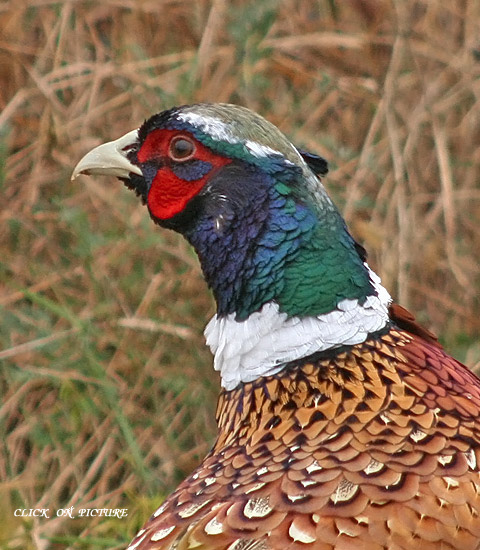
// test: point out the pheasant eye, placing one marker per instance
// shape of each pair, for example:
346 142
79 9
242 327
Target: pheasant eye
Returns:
181 148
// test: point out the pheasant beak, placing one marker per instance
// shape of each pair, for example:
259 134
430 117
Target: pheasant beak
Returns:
110 159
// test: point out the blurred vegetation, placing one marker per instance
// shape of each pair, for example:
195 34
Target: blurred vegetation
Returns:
108 390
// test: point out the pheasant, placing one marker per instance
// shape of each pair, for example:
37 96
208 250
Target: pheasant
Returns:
342 424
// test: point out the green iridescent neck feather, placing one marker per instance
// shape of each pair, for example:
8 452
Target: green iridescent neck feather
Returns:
277 242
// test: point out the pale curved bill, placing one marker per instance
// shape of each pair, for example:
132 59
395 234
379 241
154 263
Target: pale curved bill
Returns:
109 159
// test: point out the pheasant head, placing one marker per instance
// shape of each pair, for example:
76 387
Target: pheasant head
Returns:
288 278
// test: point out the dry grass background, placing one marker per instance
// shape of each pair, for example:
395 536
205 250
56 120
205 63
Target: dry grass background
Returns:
108 391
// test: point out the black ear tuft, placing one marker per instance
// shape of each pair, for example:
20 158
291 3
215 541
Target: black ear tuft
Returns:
317 164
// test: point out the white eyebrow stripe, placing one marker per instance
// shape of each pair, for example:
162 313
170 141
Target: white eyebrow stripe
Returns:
220 131
259 150
210 125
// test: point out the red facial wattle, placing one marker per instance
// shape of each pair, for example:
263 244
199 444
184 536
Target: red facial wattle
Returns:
169 193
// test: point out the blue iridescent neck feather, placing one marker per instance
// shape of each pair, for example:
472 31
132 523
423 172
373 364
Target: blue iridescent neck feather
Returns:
265 243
